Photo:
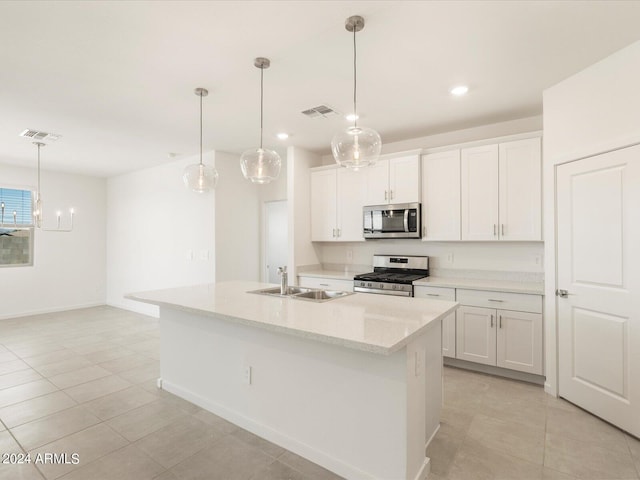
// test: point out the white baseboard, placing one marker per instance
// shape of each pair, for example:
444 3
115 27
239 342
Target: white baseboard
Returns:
264 431
491 370
424 471
43 311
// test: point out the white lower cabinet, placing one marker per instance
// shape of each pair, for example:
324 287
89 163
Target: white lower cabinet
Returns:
449 323
326 283
475 335
504 338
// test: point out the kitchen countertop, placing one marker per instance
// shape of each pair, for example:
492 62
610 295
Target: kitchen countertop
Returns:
483 284
374 323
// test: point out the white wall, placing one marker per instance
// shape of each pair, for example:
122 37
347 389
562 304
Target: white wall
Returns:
594 111
271 192
495 256
237 219
301 250
69 268
154 223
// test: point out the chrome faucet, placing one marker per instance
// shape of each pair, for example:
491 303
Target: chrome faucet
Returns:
284 282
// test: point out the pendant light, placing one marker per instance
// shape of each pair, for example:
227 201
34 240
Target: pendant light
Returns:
200 177
357 146
37 209
260 165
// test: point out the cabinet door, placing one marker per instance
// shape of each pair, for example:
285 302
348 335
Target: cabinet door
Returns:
377 183
352 190
323 205
441 195
476 334
479 167
404 179
449 336
519 341
520 190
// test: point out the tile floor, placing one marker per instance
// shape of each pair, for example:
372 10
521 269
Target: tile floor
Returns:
84 382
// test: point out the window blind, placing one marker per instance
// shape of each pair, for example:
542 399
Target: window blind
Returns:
19 201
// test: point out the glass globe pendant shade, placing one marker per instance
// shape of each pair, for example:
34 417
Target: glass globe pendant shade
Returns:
356 147
200 177
260 165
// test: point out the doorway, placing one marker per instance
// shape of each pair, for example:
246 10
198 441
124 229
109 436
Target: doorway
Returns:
598 302
276 226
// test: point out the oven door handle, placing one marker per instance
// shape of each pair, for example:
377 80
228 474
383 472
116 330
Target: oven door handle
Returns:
406 219
398 293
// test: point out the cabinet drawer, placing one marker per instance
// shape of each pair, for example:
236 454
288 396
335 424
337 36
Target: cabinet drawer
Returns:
439 293
326 283
501 300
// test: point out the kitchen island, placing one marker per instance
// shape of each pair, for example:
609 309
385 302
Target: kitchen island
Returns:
353 384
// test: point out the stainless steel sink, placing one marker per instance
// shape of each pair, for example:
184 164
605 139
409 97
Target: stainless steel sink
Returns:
321 295
275 291
302 293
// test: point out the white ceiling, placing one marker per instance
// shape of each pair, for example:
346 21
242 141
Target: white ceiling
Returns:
116 79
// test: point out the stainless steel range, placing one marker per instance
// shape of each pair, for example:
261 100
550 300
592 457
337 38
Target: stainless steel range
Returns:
392 275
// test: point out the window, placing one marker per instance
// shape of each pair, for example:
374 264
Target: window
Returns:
16 227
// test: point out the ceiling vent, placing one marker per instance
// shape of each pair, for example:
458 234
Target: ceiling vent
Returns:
40 136
320 111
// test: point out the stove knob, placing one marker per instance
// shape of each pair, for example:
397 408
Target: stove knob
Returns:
394 286
368 284
382 285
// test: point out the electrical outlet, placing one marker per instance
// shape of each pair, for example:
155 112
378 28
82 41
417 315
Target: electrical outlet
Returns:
188 255
349 256
247 375
450 258
538 259
204 255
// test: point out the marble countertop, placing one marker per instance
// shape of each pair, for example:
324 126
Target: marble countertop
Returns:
379 324
483 284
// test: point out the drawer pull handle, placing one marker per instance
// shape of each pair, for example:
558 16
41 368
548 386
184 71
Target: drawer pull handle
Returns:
494 300
491 320
433 294
500 321
324 284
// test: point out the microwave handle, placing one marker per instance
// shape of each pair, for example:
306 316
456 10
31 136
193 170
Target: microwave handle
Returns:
406 219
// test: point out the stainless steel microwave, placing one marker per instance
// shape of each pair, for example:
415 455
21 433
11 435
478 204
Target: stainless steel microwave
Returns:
392 221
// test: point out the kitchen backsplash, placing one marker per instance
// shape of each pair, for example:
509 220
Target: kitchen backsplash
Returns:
504 257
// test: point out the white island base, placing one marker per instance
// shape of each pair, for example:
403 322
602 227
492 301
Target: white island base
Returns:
359 414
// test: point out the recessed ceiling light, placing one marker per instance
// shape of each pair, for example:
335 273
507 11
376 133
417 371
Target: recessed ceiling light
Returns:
352 117
283 136
459 90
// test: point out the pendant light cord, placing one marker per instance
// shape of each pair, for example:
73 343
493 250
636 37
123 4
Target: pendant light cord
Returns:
38 145
355 80
261 102
201 127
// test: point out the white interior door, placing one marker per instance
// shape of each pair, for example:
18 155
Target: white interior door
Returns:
598 262
276 246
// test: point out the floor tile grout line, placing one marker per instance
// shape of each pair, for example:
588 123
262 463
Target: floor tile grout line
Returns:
23 450
47 415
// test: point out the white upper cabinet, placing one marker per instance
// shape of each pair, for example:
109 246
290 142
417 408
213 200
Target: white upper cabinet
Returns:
350 199
479 181
377 183
394 180
520 190
441 196
404 179
323 205
337 198
501 191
